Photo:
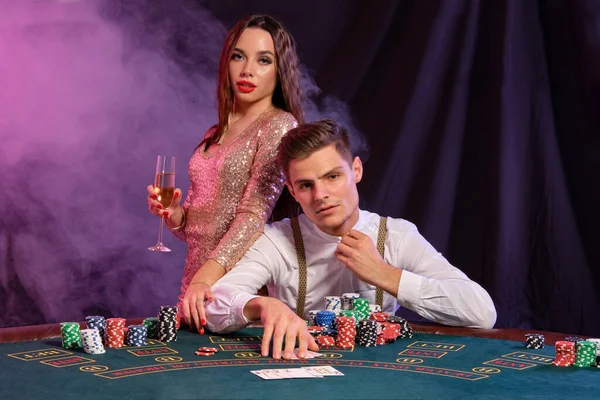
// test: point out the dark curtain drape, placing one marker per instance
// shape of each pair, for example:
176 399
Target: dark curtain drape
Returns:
482 127
481 121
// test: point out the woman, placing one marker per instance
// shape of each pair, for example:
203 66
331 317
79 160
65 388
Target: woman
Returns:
235 178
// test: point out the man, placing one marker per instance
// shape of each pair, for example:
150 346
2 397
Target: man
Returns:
340 254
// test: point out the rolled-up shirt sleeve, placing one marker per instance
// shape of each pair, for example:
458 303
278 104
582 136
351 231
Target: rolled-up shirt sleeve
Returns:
226 311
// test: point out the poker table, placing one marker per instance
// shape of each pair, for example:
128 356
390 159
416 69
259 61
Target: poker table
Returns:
436 363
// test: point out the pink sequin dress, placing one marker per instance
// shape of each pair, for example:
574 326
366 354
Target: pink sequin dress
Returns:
232 193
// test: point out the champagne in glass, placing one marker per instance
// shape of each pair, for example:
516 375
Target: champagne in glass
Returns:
164 187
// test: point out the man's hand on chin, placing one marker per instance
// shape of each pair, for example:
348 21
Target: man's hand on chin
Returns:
282 325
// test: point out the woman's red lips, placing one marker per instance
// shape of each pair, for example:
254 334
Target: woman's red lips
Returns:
245 86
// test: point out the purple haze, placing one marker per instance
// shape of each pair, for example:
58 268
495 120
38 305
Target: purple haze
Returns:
89 95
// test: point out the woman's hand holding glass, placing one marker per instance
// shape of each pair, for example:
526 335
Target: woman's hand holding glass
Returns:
173 214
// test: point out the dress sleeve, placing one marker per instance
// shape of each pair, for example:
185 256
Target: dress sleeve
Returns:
261 193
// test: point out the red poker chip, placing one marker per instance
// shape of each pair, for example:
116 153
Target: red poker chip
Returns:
204 353
208 349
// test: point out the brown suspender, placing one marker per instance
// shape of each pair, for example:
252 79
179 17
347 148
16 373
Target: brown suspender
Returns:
381 249
301 254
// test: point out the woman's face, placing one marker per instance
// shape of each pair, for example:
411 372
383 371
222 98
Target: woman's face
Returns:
253 67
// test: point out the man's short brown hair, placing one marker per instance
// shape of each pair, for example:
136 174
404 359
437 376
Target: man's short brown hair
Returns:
307 138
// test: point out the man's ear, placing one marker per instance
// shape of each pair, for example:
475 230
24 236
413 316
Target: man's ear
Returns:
357 168
291 189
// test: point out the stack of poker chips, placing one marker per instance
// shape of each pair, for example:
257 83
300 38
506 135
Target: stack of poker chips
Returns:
312 314
167 324
361 305
151 327
333 303
92 342
97 322
374 333
367 333
324 318
136 335
115 333
565 353
389 333
70 333
574 339
374 308
206 351
597 341
315 330
347 300
534 341
350 313
346 332
406 331
586 354
378 316
325 342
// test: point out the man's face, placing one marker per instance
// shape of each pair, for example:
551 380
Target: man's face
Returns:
325 186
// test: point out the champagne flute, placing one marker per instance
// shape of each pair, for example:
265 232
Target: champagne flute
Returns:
164 187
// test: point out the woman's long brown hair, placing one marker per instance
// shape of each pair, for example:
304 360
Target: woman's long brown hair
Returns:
287 95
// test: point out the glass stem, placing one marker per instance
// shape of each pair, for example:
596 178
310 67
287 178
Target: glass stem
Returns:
162 222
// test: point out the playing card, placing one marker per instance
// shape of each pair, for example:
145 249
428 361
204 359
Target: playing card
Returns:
261 373
309 354
284 373
323 370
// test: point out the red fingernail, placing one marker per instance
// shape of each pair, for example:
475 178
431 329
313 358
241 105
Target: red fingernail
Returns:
155 196
176 194
210 299
166 214
202 331
203 322
159 206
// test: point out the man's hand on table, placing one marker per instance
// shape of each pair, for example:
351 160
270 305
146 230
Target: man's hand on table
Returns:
282 325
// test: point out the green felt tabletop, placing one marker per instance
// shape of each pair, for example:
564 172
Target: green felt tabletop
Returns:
425 366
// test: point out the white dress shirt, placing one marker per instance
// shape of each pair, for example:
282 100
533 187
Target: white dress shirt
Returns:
429 285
